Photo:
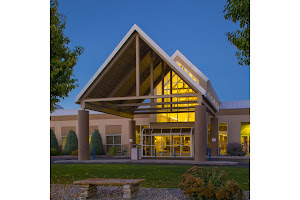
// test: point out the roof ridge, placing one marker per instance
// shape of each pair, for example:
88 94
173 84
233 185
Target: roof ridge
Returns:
152 44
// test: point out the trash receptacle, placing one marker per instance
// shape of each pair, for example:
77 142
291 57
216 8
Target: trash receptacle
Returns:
134 153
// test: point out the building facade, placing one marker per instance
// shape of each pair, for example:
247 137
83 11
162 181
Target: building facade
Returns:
165 104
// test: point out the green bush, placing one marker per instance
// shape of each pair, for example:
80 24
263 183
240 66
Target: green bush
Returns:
209 184
75 152
113 151
53 141
71 143
235 149
96 142
53 152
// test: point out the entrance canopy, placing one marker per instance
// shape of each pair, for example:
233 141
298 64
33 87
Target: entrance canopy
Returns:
130 75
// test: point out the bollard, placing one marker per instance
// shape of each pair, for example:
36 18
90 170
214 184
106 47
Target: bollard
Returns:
94 152
174 153
155 153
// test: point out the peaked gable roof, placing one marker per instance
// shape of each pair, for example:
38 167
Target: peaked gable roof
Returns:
210 91
170 62
179 54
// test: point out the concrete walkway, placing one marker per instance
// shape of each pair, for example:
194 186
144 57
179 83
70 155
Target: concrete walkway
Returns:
147 161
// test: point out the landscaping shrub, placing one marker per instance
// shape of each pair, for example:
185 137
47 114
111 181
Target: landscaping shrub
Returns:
96 142
235 149
53 141
112 151
71 143
53 152
75 152
209 184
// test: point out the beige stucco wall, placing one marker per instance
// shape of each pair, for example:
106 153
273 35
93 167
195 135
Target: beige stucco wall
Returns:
234 126
96 121
233 118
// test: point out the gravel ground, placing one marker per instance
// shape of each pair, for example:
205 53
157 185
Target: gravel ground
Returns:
61 192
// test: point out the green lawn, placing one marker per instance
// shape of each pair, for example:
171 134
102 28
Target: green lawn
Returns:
162 176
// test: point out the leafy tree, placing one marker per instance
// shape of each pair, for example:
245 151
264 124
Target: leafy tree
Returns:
239 11
96 142
62 58
53 141
71 143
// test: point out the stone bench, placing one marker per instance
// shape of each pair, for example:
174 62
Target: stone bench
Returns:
89 186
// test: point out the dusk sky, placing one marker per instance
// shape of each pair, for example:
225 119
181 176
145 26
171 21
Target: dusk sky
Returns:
196 28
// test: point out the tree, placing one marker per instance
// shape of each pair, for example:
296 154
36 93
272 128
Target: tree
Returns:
53 141
62 58
96 142
71 143
239 11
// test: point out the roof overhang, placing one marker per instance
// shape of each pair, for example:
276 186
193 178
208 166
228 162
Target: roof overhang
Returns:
112 89
169 61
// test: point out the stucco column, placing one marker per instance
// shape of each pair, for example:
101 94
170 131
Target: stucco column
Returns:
83 135
200 133
214 135
131 134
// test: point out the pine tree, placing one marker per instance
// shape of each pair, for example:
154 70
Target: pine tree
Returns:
71 143
96 142
53 141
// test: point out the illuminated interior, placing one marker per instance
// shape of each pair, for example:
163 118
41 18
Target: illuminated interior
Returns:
138 133
64 139
178 87
208 137
222 138
167 142
245 136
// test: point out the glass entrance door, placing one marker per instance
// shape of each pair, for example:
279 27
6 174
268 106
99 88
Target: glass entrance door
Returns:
167 142
245 140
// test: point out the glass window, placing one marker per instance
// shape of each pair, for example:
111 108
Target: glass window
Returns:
178 87
64 139
117 139
109 139
186 140
245 136
222 138
167 142
114 140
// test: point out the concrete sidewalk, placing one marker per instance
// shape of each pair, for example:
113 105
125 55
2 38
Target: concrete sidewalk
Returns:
147 161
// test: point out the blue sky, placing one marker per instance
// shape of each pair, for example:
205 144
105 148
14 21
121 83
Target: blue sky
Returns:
196 28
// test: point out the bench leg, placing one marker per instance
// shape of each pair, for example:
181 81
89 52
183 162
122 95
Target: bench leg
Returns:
134 188
88 191
128 190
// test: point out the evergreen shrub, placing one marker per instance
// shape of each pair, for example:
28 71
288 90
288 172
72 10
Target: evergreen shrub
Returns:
209 184
113 151
53 141
74 153
71 143
96 142
235 149
53 152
